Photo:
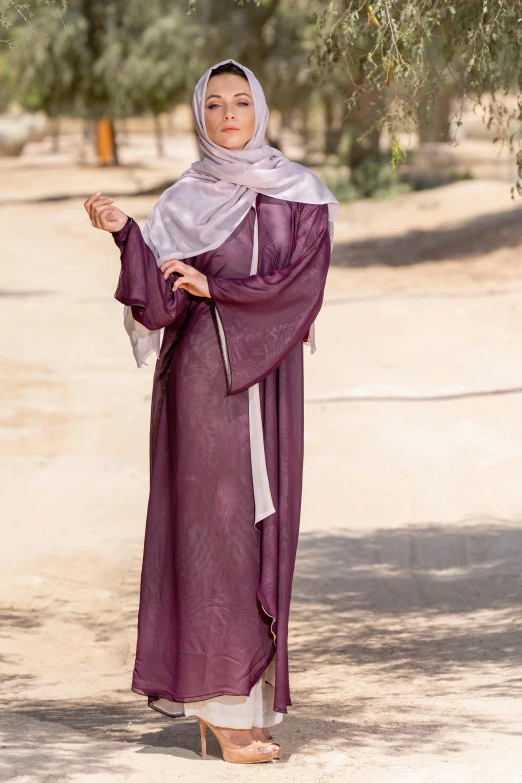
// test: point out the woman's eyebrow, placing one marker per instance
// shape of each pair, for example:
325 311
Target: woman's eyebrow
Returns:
234 96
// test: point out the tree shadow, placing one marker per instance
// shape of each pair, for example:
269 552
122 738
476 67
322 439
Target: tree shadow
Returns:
431 598
33 750
13 679
476 237
17 294
26 620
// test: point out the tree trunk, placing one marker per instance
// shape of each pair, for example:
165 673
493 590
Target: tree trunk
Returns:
359 121
286 119
437 129
87 129
170 123
332 135
55 135
305 125
114 143
158 130
124 129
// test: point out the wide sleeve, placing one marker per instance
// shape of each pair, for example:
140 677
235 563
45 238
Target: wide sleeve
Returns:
263 317
141 284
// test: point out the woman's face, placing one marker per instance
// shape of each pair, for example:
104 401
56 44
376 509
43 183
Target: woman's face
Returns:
229 111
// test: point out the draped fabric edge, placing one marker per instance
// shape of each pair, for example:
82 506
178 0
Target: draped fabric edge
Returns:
264 505
153 692
257 447
217 709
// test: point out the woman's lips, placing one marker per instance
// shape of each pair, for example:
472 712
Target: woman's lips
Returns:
229 130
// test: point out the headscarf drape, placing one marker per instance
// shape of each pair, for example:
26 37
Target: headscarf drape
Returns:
204 206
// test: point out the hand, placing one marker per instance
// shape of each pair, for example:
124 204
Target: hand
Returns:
103 215
191 280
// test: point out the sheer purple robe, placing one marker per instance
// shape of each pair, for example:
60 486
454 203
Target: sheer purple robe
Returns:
216 589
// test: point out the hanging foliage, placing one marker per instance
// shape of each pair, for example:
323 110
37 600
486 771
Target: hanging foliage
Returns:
411 50
29 13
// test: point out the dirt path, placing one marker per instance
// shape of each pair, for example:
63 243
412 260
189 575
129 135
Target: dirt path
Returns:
405 658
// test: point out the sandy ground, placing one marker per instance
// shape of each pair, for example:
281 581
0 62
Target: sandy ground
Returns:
406 624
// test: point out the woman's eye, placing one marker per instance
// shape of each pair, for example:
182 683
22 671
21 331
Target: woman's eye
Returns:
239 103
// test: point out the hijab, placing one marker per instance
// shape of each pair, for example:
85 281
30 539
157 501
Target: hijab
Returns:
209 200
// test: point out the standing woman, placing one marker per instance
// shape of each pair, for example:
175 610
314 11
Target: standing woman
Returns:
224 284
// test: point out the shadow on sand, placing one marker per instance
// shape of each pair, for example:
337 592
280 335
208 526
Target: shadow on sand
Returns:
476 237
427 601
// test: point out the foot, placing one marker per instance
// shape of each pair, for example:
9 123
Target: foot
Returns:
239 737
263 734
242 737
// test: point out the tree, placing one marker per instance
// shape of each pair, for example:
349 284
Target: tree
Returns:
117 59
45 74
150 53
398 55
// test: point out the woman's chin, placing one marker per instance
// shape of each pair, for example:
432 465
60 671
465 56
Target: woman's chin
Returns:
233 144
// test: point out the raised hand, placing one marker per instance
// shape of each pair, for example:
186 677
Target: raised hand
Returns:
103 214
191 280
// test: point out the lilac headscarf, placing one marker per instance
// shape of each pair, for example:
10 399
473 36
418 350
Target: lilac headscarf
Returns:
199 211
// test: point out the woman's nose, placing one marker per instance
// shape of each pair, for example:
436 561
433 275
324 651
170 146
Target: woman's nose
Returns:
229 114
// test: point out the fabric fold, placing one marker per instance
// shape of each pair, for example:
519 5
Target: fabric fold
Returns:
279 307
262 497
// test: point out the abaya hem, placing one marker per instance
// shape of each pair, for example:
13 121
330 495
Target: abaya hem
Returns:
161 693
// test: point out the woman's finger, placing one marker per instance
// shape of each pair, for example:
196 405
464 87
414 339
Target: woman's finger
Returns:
179 282
95 200
95 218
101 215
87 204
95 208
168 267
177 263
100 203
169 262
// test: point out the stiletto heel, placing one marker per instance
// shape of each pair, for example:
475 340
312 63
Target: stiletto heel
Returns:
203 733
237 754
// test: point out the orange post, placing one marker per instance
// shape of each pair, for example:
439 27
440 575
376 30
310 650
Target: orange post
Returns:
104 142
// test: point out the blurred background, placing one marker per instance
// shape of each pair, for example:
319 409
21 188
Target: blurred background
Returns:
406 628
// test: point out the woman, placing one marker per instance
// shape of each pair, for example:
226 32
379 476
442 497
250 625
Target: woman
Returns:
226 444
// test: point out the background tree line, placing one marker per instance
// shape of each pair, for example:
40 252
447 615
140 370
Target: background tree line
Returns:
394 64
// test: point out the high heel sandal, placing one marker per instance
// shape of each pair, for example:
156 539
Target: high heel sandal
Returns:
246 754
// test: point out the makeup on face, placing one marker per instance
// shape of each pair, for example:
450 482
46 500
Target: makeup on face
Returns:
229 112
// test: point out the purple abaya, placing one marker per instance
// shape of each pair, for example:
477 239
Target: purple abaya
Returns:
212 582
